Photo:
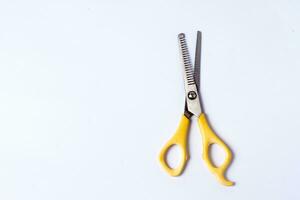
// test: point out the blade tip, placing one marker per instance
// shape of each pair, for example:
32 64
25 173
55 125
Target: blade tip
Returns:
181 35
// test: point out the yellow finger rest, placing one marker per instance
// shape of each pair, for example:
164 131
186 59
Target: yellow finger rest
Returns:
180 139
209 138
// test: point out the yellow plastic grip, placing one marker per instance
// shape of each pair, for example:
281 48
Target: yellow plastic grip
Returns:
209 138
180 139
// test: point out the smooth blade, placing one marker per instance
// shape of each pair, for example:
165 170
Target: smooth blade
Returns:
197 65
192 97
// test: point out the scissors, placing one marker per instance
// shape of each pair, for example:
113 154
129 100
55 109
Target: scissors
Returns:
193 106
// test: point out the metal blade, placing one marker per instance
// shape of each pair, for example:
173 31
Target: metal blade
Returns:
192 97
197 65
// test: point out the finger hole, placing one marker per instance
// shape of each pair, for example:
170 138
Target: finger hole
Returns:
173 156
217 155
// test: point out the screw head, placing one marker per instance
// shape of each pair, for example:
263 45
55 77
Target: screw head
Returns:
192 95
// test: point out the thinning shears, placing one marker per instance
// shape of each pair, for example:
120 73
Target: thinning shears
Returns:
193 106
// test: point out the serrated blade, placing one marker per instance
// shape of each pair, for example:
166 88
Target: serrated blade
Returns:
192 97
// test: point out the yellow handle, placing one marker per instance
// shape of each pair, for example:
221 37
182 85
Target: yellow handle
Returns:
209 138
180 139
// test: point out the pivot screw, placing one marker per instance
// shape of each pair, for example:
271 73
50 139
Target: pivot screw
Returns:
192 95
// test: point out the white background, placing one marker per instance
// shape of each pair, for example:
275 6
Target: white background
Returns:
91 90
